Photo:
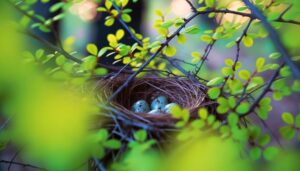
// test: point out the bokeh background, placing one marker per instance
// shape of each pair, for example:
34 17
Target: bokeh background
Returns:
83 25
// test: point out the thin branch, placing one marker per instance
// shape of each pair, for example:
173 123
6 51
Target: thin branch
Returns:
52 47
38 20
126 27
194 9
99 165
205 56
163 45
22 164
5 123
264 92
274 37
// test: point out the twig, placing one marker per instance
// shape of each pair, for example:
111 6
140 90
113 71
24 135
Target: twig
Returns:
194 9
5 123
21 164
163 45
38 20
264 92
125 26
205 56
52 47
99 165
274 37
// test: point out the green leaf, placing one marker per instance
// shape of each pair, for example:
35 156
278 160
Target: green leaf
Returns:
214 92
56 6
223 106
233 119
120 34
206 38
255 153
262 113
287 132
170 51
243 108
192 30
108 4
296 86
101 71
126 18
101 9
181 38
203 113
198 124
255 131
231 101
211 119
44 28
124 2
285 71
270 153
89 62
296 58
260 64
60 60
227 71
180 124
229 62
140 135
248 41
159 13
167 24
92 49
39 54
109 22
102 135
242 8
274 55
244 74
298 121
210 3
230 44
215 81
264 140
102 52
112 144
98 151
288 118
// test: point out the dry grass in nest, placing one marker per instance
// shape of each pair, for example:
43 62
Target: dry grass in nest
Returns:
182 91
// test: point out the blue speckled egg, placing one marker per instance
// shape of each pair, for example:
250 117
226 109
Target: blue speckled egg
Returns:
140 106
159 103
169 107
155 112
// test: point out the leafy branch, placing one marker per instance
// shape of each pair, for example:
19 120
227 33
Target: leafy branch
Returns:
274 37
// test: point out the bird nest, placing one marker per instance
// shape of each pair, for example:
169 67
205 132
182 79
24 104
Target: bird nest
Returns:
160 126
184 92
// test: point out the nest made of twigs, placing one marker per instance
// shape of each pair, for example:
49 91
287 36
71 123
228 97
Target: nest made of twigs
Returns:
186 93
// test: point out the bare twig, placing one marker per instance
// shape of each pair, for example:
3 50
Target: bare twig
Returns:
194 9
205 56
99 165
22 164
